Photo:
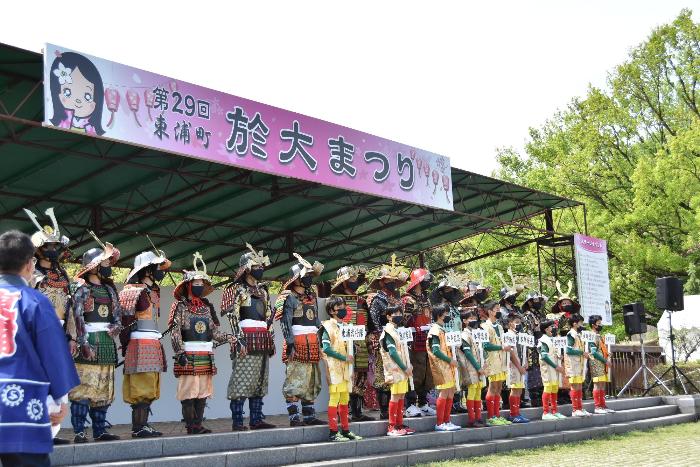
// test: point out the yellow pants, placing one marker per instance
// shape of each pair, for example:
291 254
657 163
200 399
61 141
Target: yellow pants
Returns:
338 398
576 379
399 388
474 392
600 379
497 377
551 388
141 387
449 385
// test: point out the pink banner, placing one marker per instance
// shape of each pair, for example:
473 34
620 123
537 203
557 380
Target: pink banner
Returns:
100 98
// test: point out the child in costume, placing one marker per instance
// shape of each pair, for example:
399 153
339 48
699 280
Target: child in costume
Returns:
575 359
496 354
338 375
442 366
599 365
551 370
397 369
518 369
475 370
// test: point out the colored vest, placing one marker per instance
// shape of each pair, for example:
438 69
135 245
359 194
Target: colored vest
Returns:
306 313
357 315
417 306
337 371
393 372
440 370
549 374
99 305
471 374
574 363
515 376
599 368
55 286
495 359
200 327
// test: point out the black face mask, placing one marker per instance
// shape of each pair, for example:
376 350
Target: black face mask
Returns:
447 319
342 313
519 328
480 296
158 275
105 271
425 285
353 285
498 315
257 273
555 331
452 297
597 327
511 299
568 308
537 305
306 281
51 255
397 320
197 290
390 286
473 324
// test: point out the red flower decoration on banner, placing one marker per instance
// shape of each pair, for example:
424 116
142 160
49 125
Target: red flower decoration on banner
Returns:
436 177
112 101
419 165
133 99
148 100
446 186
173 86
426 171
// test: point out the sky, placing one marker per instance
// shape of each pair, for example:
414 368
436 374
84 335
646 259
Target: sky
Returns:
456 78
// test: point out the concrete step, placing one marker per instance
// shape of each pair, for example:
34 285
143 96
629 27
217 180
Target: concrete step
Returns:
465 450
295 445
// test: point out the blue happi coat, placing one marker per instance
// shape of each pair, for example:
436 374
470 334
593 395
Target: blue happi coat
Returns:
34 363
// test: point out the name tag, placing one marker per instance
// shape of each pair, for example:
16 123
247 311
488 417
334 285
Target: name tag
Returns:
510 339
559 342
610 339
480 335
587 336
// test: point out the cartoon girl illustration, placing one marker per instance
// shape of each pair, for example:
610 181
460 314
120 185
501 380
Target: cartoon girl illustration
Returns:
77 93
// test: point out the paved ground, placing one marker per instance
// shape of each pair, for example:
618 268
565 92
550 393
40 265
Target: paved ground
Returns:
669 446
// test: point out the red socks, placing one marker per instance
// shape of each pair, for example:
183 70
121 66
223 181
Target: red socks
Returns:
545 402
344 421
477 409
392 413
553 401
489 405
399 413
470 411
514 402
440 406
497 405
333 418
576 399
448 410
599 398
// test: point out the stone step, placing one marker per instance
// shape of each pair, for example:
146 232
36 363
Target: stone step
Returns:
290 445
465 450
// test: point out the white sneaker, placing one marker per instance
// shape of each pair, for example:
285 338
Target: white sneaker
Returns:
609 410
442 427
427 410
452 427
578 413
600 411
413 411
586 413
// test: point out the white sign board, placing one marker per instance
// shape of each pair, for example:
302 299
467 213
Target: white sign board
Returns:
559 342
480 335
453 339
405 334
510 339
592 277
587 336
610 339
351 332
525 339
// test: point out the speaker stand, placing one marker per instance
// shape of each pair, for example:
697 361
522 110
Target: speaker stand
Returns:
644 369
674 368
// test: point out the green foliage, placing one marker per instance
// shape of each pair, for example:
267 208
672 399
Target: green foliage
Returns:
631 153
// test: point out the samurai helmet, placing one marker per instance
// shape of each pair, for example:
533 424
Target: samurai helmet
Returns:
390 271
417 276
249 259
346 273
509 290
46 234
94 256
147 258
565 296
195 274
302 268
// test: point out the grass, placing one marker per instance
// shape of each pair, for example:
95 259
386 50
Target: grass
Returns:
675 445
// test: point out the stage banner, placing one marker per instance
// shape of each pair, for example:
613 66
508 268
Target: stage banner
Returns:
592 277
93 96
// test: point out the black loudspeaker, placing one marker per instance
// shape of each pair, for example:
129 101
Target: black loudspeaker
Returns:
669 293
635 320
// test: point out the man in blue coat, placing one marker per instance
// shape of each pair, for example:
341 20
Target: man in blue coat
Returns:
35 363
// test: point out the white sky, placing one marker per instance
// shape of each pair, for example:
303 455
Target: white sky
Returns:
454 77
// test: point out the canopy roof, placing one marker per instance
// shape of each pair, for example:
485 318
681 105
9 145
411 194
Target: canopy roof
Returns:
123 192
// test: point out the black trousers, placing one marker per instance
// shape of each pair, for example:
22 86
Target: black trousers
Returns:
25 460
